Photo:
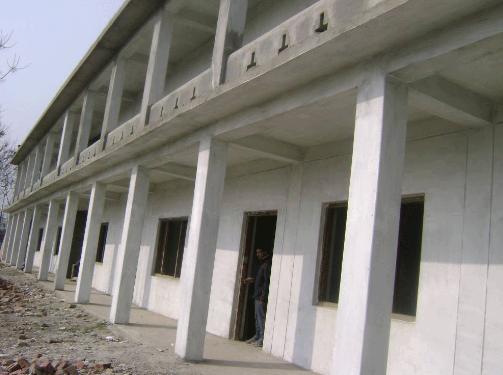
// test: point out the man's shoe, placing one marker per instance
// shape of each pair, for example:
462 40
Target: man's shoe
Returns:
251 341
258 343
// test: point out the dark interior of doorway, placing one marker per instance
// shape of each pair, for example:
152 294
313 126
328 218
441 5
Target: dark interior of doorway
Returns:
260 230
77 241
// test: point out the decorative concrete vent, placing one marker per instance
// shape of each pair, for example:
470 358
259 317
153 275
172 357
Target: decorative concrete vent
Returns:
253 62
323 25
185 95
285 40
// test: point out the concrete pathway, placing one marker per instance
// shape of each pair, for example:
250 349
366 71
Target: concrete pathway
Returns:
222 356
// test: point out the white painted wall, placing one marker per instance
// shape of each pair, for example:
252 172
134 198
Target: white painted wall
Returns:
303 332
493 328
38 254
270 13
103 277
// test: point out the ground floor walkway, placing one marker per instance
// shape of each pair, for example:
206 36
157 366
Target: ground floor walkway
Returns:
222 356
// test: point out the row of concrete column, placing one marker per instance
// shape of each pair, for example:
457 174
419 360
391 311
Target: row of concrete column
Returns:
363 319
21 240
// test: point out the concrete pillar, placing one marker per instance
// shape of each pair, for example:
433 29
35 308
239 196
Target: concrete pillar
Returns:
197 268
157 62
23 242
29 170
229 36
7 238
66 138
36 165
114 98
22 176
17 239
368 270
129 250
33 238
15 218
48 151
86 122
18 180
48 239
90 245
5 242
65 244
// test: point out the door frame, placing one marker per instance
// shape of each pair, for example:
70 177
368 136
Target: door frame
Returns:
238 298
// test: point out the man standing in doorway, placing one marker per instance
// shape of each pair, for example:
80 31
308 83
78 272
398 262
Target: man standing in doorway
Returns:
260 295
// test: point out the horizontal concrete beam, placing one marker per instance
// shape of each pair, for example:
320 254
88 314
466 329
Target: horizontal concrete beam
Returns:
117 188
197 21
127 95
270 148
177 171
254 167
450 101
110 196
498 114
458 43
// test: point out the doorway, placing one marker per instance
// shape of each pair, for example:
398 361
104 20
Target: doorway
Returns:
77 242
259 230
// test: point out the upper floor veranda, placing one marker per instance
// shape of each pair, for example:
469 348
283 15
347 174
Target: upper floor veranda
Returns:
163 70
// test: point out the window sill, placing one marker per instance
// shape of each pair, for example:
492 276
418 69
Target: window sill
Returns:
403 318
163 276
330 305
394 316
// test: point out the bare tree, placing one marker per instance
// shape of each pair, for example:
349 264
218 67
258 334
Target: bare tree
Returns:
12 63
7 170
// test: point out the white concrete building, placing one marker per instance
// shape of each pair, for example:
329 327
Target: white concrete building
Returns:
358 140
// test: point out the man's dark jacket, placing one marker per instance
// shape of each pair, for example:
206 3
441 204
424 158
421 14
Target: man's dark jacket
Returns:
262 281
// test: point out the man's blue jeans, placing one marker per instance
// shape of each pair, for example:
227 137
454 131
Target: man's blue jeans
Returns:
259 320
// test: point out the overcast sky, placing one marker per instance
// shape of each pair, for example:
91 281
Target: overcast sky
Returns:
50 36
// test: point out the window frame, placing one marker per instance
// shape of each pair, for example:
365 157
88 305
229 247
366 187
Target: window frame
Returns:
40 238
177 267
405 199
104 244
57 245
321 243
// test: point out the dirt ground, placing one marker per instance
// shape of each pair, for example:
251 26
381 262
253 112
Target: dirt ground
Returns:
38 326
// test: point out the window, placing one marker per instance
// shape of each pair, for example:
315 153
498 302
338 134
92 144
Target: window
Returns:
102 241
58 240
40 236
408 254
170 245
331 257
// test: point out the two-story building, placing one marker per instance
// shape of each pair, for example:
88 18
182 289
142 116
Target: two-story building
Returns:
359 141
